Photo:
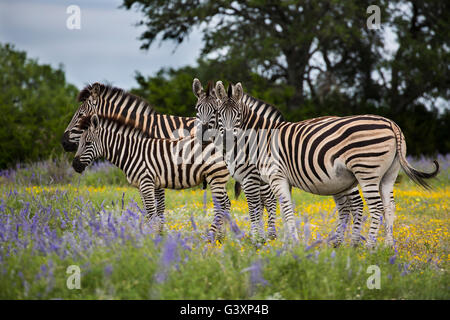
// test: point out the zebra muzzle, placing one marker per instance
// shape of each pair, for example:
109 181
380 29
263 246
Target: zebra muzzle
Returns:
77 165
67 144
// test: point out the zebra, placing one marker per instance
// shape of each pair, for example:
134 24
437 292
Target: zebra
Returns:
259 195
114 102
326 157
151 164
351 202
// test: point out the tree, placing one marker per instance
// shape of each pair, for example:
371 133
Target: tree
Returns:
317 47
36 105
169 91
419 69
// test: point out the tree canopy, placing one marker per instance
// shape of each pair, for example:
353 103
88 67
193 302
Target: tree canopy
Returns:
317 47
36 105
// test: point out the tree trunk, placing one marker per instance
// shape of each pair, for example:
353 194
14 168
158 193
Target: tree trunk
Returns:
296 65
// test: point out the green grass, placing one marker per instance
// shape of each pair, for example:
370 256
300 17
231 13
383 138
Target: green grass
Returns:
132 265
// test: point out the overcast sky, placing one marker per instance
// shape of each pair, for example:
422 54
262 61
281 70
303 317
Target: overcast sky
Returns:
106 48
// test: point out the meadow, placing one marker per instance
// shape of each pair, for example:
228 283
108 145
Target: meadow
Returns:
52 218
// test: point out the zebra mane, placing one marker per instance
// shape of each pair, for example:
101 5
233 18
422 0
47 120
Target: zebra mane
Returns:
110 91
209 88
256 104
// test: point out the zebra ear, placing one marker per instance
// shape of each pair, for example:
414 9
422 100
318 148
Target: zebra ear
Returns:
94 121
197 87
238 91
220 91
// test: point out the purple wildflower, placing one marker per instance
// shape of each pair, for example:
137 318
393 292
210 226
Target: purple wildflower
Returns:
108 270
256 278
194 226
169 255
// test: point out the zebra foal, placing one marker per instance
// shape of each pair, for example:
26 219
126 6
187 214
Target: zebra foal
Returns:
150 164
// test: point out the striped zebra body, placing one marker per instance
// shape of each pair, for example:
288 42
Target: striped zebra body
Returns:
153 164
258 194
330 156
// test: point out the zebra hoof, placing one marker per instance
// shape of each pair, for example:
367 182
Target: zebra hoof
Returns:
355 244
336 244
272 236
220 237
210 237
371 245
389 243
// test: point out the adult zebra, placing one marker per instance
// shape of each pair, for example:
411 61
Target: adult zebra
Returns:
247 174
326 157
151 164
259 195
135 111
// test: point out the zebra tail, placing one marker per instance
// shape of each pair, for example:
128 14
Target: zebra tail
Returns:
415 175
237 189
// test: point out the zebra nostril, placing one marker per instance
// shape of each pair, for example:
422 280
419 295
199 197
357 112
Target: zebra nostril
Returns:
77 165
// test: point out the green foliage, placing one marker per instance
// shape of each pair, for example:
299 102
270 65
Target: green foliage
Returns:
36 105
169 91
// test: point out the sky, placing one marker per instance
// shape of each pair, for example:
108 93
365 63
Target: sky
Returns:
104 49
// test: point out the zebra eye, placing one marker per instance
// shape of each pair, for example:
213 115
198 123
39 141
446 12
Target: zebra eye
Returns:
88 143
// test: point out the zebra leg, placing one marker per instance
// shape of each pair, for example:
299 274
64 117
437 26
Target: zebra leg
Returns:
344 207
221 204
147 191
281 188
160 206
356 207
387 195
221 232
251 186
270 202
371 192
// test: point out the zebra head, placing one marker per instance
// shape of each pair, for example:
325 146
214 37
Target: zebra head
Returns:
89 146
206 108
89 98
229 112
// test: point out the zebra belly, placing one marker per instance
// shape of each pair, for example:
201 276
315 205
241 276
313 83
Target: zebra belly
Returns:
341 179
180 178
